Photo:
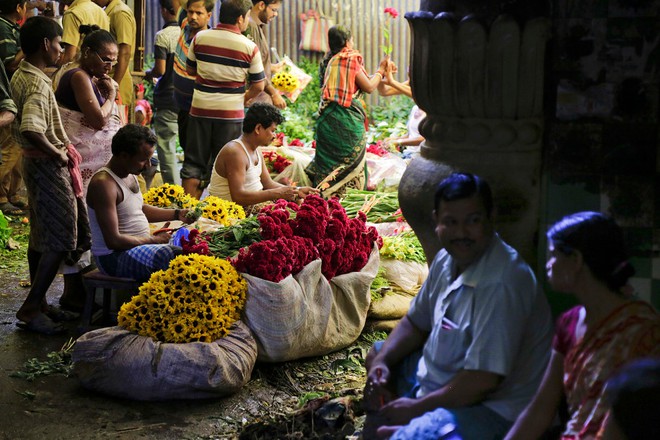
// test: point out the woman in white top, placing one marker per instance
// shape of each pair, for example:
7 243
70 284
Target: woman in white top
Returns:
239 173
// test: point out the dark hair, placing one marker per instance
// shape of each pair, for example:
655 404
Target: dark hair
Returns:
208 4
261 113
130 137
231 10
462 186
9 6
266 2
95 37
634 394
167 5
600 241
338 36
35 29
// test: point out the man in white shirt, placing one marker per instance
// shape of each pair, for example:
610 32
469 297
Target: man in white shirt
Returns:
477 336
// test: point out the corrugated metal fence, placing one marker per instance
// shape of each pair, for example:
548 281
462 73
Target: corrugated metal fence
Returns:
366 20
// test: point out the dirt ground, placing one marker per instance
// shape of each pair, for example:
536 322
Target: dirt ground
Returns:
57 407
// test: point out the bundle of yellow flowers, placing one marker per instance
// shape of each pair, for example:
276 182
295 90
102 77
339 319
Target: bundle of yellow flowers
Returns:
169 196
285 82
198 298
221 210
214 208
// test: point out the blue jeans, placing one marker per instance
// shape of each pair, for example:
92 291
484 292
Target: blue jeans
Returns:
476 422
167 131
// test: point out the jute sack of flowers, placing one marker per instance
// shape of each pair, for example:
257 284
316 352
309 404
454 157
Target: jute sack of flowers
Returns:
305 314
120 363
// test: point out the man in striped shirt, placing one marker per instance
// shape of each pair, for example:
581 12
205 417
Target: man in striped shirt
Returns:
222 61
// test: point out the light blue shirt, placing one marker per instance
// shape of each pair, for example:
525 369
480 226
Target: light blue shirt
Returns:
493 317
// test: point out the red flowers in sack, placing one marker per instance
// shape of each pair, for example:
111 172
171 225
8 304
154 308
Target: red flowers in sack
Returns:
296 235
195 244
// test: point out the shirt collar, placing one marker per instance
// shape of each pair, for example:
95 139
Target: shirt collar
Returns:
11 23
228 27
474 272
112 5
32 69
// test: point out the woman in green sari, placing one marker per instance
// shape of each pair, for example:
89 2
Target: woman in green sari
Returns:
341 127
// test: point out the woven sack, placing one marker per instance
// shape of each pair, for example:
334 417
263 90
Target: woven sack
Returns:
120 363
306 315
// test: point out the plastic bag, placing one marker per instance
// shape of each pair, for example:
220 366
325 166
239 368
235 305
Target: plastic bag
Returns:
408 275
288 66
385 172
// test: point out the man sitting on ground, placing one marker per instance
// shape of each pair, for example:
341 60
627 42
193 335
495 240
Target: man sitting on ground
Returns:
122 244
240 174
474 344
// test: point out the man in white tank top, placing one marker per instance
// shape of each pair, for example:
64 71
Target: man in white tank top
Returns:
122 244
239 173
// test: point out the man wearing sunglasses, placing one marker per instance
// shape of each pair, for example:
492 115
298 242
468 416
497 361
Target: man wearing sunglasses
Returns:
262 13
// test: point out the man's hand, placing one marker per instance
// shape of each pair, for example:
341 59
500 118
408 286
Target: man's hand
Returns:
376 391
162 237
278 101
401 411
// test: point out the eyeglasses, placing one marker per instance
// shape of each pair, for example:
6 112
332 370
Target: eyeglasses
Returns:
274 10
109 63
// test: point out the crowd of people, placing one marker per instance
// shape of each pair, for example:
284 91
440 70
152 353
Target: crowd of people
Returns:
476 356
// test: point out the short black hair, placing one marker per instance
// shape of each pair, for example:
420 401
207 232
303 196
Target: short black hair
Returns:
208 4
261 113
266 2
230 10
462 186
35 29
167 5
9 6
95 37
130 137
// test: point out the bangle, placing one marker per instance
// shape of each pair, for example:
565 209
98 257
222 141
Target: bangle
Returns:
381 75
176 214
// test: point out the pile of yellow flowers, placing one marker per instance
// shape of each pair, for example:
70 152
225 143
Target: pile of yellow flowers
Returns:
285 82
221 210
214 208
169 196
198 298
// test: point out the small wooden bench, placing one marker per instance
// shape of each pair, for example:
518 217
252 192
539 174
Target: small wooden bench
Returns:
94 280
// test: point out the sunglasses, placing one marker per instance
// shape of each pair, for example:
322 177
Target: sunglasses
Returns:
109 63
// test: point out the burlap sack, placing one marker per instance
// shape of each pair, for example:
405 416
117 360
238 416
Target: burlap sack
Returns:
392 306
408 275
305 315
121 363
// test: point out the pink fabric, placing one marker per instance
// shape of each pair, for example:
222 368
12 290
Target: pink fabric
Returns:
74 169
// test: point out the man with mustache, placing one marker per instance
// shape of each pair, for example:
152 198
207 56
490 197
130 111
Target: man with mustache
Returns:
122 243
473 347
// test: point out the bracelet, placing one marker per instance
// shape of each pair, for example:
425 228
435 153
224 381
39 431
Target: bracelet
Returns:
381 75
176 214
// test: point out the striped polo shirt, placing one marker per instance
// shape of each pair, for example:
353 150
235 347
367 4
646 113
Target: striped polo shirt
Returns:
224 60
183 83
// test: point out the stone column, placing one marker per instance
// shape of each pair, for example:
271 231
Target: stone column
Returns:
479 77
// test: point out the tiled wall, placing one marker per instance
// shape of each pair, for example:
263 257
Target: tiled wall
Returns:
603 139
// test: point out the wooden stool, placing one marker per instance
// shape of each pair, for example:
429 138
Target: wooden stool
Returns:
94 280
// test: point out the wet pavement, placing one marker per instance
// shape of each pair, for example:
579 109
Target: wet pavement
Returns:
57 407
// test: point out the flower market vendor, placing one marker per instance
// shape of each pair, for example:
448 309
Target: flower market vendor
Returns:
240 174
122 244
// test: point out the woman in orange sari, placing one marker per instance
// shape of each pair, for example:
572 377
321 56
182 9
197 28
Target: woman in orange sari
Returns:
594 340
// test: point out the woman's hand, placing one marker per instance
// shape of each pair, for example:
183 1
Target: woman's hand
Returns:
107 86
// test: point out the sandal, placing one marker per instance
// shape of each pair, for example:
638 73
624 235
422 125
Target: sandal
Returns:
11 210
42 324
60 315
20 204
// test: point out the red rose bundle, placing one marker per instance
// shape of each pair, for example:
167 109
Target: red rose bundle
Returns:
293 236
